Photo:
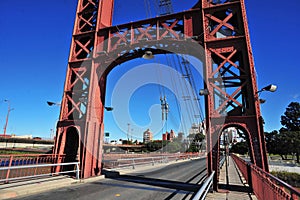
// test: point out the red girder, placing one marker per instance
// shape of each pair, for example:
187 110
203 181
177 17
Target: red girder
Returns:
146 30
228 59
221 23
75 106
169 29
80 73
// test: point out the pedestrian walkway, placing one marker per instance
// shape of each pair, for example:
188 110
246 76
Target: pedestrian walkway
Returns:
34 186
237 187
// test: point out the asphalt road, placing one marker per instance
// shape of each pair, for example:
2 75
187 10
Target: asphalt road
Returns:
176 181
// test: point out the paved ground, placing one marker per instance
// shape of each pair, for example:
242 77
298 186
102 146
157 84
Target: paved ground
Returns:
237 188
166 181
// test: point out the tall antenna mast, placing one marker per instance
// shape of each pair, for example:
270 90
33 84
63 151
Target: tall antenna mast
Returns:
165 7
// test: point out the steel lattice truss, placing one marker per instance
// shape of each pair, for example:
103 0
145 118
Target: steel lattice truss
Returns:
220 27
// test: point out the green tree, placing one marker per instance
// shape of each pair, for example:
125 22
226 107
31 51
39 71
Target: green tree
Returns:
291 118
283 144
240 148
271 142
196 142
155 145
173 147
289 138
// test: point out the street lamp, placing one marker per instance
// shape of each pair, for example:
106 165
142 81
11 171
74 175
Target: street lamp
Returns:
148 55
50 103
270 88
108 108
203 92
7 116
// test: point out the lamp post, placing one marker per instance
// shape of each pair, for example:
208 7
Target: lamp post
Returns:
270 88
7 116
50 103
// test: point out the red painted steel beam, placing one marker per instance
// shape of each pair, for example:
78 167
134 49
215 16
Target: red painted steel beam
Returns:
84 94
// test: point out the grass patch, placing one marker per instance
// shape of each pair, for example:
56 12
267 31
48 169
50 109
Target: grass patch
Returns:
11 152
291 178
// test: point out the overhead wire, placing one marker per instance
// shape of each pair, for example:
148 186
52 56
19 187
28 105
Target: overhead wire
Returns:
190 89
147 8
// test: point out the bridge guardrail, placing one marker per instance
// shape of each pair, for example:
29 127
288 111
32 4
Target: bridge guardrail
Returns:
133 162
201 194
7 179
266 185
9 161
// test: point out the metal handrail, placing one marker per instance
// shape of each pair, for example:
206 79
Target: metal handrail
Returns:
264 180
279 182
152 160
201 194
41 165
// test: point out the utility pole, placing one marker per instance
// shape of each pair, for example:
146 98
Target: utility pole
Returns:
164 114
164 108
7 116
165 7
128 132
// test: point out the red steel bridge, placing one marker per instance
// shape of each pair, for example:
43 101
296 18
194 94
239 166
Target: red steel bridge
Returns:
215 32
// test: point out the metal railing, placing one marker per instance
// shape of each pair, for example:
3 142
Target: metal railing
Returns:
25 159
133 162
34 167
266 185
201 194
8 162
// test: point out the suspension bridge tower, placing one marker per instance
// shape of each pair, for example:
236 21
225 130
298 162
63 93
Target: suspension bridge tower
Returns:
219 26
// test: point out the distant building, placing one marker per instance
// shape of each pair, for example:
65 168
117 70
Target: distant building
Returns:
180 136
168 136
232 135
147 136
172 135
197 128
22 136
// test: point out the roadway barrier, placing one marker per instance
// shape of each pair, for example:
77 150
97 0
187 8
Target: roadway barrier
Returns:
8 164
134 161
207 185
201 194
264 184
76 170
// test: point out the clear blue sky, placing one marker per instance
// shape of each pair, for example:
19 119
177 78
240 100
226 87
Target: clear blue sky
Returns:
34 48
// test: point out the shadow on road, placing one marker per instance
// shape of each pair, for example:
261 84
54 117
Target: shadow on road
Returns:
153 181
238 188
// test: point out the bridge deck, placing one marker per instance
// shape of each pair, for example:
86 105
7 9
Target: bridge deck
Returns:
236 189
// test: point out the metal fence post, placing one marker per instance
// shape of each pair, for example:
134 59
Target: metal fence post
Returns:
249 172
8 171
133 164
77 171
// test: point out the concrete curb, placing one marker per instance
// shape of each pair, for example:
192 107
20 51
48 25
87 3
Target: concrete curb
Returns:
34 187
38 186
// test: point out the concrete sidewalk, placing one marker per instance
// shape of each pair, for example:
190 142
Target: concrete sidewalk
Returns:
237 187
30 187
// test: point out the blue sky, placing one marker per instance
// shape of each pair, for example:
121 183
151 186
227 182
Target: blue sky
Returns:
34 48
